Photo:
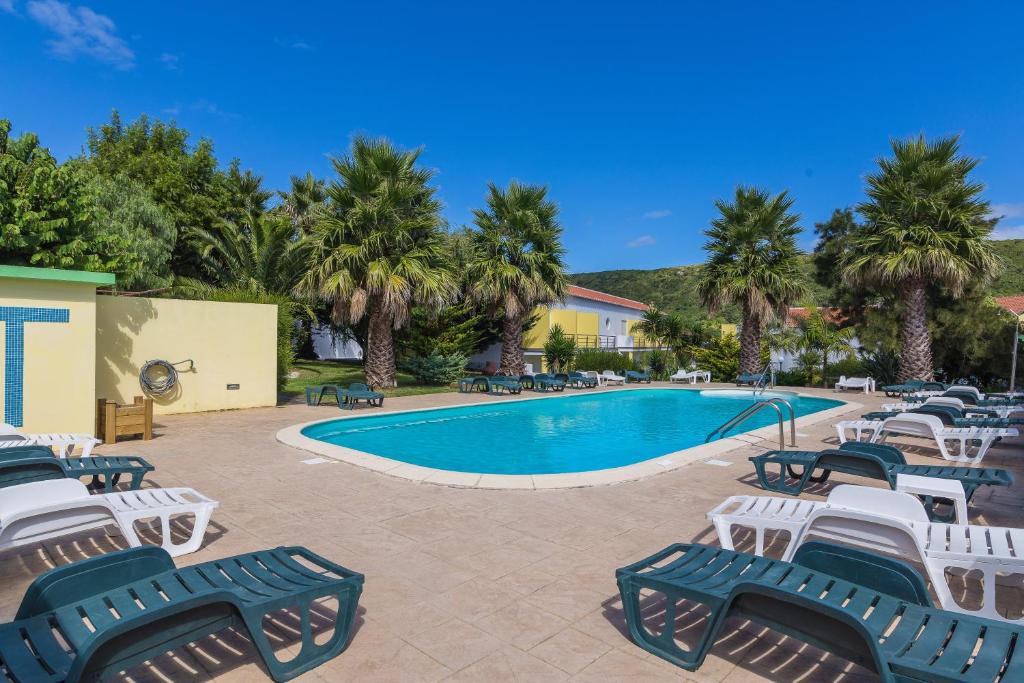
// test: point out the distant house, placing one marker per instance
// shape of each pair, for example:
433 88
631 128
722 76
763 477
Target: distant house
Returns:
1013 304
786 360
596 320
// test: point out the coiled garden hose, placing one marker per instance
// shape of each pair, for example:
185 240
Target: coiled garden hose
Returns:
159 383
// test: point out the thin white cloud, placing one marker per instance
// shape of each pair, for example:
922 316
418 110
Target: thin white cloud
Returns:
1012 210
655 215
81 31
173 111
7 6
205 106
641 241
1008 232
170 61
302 45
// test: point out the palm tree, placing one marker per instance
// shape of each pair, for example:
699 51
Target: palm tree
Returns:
377 249
816 338
653 326
259 253
307 196
753 262
926 224
518 261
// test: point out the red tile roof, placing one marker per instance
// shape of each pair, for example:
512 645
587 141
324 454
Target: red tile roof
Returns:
594 295
832 315
1014 304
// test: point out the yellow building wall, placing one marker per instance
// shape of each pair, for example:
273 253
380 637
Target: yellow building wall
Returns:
587 323
538 334
565 319
638 338
59 378
230 343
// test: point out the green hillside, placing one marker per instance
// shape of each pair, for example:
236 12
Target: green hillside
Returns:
675 289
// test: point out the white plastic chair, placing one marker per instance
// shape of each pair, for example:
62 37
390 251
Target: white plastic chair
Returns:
929 427
865 384
41 510
611 378
64 443
888 522
690 376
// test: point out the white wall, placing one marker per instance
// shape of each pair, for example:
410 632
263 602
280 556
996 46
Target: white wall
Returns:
329 347
610 316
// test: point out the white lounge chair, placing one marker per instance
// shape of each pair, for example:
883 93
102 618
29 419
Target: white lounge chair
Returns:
929 427
690 376
41 510
593 375
865 384
953 402
888 522
10 437
611 378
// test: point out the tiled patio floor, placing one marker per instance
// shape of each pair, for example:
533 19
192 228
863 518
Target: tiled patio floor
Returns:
462 584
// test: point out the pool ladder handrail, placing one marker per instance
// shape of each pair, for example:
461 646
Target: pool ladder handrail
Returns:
767 379
755 408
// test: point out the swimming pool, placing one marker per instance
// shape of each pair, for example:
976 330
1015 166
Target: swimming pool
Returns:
571 433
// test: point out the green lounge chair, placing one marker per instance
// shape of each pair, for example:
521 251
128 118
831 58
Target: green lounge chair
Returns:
24 464
865 608
499 384
751 378
356 392
468 385
581 381
544 381
637 376
951 417
138 605
870 460
908 387
526 381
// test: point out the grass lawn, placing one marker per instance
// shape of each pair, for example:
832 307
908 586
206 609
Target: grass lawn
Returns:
334 372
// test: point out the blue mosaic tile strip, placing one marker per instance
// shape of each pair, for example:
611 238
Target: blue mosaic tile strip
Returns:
15 318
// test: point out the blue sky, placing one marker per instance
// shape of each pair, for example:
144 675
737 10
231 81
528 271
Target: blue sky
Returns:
637 115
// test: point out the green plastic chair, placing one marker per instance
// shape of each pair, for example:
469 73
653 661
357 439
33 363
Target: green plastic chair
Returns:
579 380
865 608
139 606
25 464
908 387
499 384
544 381
637 376
951 417
526 381
356 392
873 461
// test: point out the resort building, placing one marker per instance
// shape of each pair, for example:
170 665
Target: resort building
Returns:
786 360
596 320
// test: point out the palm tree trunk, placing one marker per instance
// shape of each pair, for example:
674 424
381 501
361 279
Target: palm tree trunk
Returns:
915 340
512 346
750 342
380 350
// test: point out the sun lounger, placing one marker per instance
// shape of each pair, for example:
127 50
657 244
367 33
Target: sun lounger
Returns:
544 381
40 510
865 384
753 379
888 522
638 376
499 384
611 378
908 387
91 619
10 437
356 392
580 381
690 376
25 464
526 381
931 427
950 416
872 461
869 609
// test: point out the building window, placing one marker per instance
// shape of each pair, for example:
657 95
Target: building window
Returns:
607 323
625 330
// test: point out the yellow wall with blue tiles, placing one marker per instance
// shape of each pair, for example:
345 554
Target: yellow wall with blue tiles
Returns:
59 357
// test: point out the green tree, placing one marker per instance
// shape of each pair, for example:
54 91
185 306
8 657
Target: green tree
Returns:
753 261
133 235
833 236
259 253
46 217
246 194
377 250
559 349
518 262
817 340
926 223
182 178
301 203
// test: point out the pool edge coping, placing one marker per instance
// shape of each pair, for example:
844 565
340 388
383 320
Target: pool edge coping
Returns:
292 436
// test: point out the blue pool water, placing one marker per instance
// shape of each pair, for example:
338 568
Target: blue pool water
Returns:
572 433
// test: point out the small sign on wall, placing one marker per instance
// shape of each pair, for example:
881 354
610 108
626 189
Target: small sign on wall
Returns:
234 387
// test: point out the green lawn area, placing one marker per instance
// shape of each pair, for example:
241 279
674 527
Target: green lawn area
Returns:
333 372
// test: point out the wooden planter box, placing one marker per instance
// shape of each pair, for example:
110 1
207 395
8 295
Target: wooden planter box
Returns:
114 421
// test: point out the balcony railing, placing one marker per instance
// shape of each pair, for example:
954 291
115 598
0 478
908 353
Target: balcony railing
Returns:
594 341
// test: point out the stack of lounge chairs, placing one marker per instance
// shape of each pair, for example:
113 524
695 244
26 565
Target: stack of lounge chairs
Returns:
638 376
348 397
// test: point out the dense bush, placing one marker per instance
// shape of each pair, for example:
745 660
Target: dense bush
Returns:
661 363
849 367
882 365
791 378
592 359
436 369
559 350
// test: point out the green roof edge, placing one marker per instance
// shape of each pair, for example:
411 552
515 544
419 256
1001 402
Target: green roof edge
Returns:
79 276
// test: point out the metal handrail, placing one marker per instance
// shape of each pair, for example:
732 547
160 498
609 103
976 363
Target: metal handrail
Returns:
767 371
752 410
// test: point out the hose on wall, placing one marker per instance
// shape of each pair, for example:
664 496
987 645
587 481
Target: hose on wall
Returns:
155 382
